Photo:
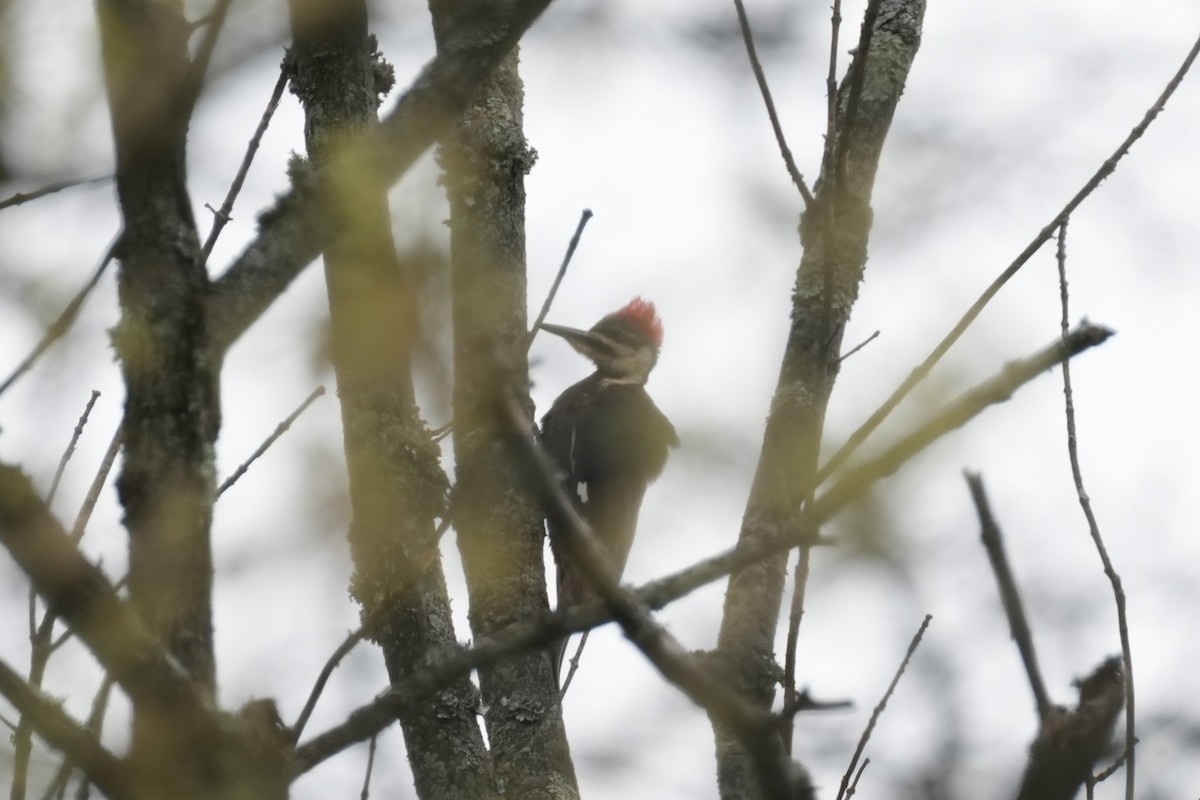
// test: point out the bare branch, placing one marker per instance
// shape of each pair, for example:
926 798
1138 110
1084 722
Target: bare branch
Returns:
562 271
64 322
866 735
1085 504
25 197
761 78
280 430
922 371
343 649
221 217
98 480
76 590
1010 596
296 230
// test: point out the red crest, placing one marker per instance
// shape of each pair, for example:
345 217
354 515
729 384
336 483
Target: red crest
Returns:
642 314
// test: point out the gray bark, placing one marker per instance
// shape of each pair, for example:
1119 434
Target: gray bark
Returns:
834 232
396 484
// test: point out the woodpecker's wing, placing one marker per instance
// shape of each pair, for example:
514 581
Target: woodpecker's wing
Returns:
610 441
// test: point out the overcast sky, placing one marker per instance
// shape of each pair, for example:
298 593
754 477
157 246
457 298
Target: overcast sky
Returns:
645 111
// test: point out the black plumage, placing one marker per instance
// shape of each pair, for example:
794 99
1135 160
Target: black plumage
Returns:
608 438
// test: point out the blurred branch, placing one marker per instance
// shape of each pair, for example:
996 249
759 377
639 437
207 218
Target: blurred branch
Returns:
968 405
293 233
25 197
65 734
95 722
214 23
80 594
280 430
65 320
925 367
40 634
1085 504
1070 741
878 712
1010 595
765 90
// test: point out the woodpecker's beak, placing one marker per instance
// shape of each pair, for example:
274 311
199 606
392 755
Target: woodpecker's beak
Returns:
585 342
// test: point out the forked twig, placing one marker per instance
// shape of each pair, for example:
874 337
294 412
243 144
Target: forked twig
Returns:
222 216
866 735
1085 505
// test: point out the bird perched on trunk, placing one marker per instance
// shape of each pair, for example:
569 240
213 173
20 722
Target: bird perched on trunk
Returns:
607 437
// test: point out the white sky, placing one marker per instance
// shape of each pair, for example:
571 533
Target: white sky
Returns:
1009 109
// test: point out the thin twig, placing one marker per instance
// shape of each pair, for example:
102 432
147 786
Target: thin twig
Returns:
66 456
573 665
858 346
831 129
922 371
562 271
343 649
1010 596
760 76
800 582
1085 504
98 480
24 197
366 787
857 776
222 216
866 735
280 430
442 432
63 324
349 643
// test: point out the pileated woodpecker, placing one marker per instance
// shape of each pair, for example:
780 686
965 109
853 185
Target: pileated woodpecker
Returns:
607 437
